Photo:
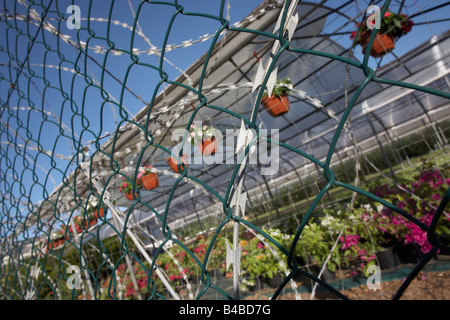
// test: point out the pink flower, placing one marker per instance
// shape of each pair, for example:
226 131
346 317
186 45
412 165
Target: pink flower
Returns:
124 185
387 14
436 196
349 241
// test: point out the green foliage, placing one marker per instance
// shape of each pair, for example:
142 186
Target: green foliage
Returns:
396 25
282 87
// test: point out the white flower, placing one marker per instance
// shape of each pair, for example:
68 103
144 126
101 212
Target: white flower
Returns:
54 235
276 233
286 237
94 203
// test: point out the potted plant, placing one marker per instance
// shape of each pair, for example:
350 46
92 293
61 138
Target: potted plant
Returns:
148 178
90 215
204 138
127 187
88 221
56 239
173 164
96 209
392 27
278 104
259 264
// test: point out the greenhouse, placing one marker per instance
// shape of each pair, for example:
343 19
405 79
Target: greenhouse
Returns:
140 161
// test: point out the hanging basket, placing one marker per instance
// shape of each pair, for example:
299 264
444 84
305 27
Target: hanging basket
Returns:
276 105
383 44
53 244
174 165
208 146
93 222
129 195
150 181
99 212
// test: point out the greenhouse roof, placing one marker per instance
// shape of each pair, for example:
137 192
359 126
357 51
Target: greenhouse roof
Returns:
322 89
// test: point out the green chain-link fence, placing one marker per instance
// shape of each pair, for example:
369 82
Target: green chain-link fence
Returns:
73 139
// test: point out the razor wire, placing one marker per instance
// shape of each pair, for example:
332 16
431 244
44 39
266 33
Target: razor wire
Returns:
25 255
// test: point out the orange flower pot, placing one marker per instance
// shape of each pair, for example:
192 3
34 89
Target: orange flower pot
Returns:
53 244
93 222
275 105
129 195
382 44
150 181
99 213
174 165
49 247
208 146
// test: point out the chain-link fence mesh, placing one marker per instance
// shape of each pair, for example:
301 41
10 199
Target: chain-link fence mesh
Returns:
358 165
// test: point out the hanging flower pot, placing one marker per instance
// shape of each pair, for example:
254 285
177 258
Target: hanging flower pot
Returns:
59 242
278 104
79 225
208 146
56 240
129 195
150 181
95 209
148 178
205 138
49 247
173 164
99 212
392 27
127 187
383 44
